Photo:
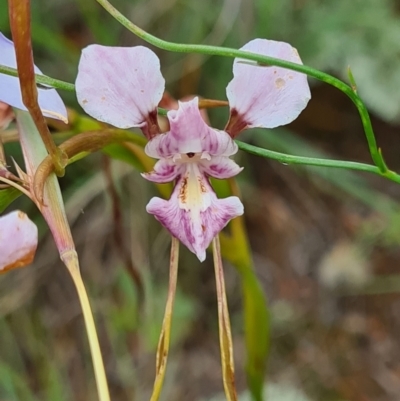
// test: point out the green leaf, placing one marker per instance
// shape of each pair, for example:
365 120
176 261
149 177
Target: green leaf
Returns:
235 248
7 196
257 333
256 313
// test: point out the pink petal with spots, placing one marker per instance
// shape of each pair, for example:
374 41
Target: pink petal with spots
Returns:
10 89
220 167
261 96
198 221
190 134
121 86
18 240
165 170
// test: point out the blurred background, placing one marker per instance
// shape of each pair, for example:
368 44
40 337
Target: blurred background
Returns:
325 243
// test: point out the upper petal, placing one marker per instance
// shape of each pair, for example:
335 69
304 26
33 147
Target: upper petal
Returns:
18 240
10 90
121 86
190 134
262 96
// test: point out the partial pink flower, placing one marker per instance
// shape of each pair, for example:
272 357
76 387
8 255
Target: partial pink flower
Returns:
123 86
18 240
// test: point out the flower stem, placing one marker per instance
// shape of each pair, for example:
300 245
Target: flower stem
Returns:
225 336
163 342
71 261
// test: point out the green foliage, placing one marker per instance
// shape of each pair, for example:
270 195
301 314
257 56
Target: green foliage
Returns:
7 196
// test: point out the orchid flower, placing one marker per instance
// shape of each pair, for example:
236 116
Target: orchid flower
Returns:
123 86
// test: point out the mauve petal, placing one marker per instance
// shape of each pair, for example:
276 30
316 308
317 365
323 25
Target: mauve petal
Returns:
10 90
198 223
220 167
121 86
18 240
261 96
190 134
165 170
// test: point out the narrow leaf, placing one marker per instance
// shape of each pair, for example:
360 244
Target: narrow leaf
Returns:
163 343
235 248
225 336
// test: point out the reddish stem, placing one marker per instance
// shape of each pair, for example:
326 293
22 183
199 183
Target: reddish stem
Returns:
19 12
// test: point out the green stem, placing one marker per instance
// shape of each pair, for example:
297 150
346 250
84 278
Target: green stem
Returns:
228 52
40 79
311 161
70 259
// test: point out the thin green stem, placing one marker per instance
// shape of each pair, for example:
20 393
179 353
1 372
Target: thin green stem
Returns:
311 161
228 52
71 261
40 79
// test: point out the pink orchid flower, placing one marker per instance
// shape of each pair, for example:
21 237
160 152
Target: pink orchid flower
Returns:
123 86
